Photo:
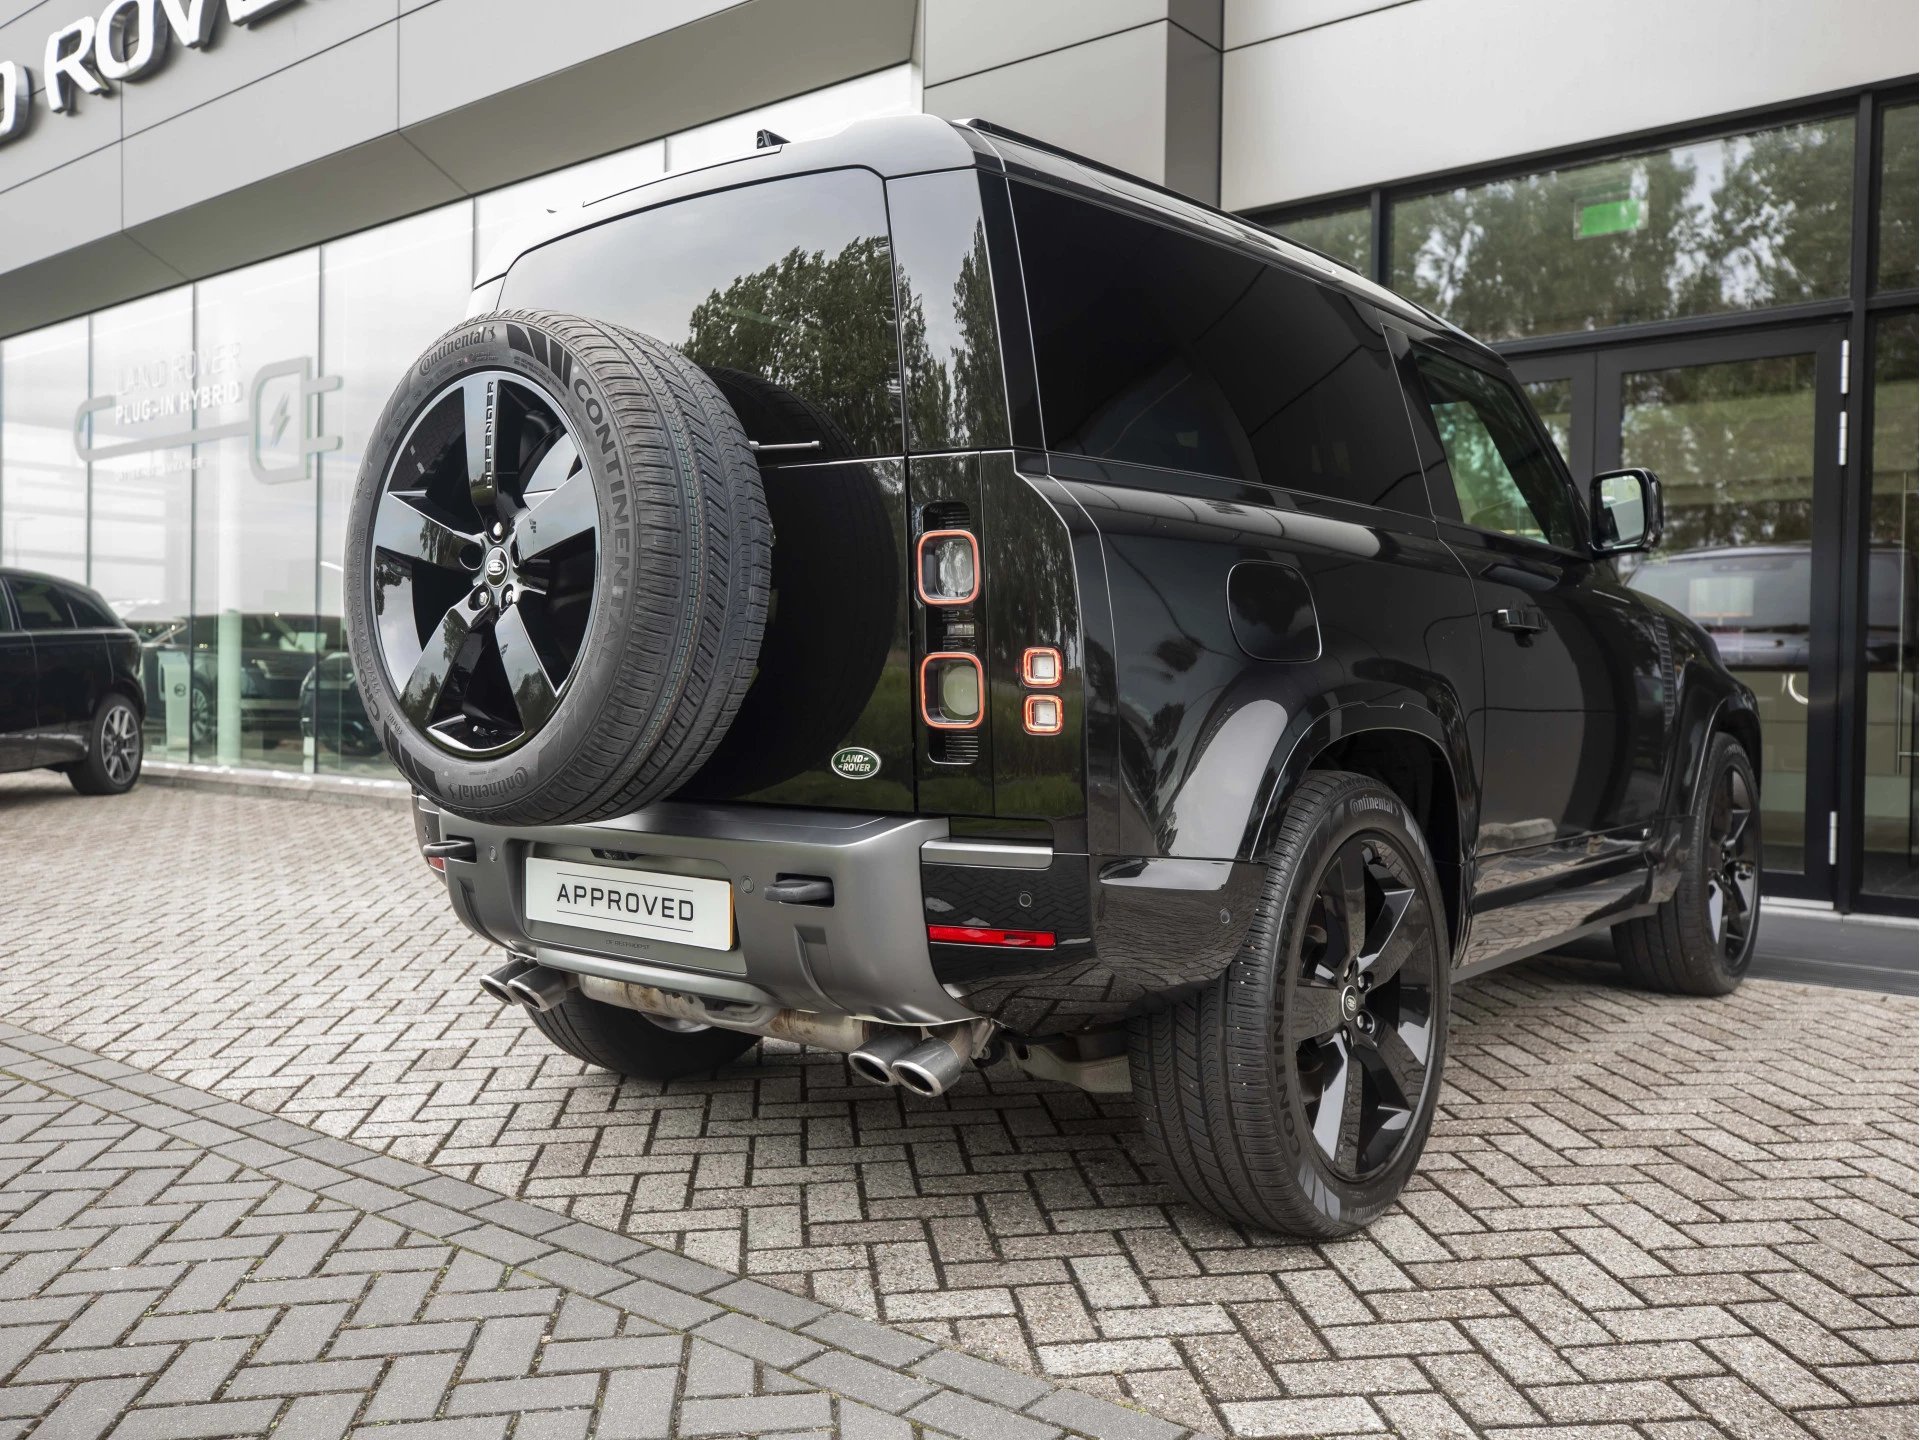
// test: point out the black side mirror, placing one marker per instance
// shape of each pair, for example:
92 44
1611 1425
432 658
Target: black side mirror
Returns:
1627 512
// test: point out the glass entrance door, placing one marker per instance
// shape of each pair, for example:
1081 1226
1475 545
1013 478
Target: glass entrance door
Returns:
1744 432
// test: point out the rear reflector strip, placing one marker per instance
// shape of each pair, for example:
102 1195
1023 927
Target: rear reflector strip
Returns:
973 935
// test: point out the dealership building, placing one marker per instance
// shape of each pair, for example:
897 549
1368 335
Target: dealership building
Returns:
226 226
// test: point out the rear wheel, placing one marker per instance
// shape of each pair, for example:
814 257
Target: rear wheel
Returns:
114 750
1701 941
1295 1093
630 1043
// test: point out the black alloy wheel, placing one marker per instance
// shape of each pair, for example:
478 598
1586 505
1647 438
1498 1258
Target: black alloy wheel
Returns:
1700 940
485 550
1361 1012
1295 1092
1733 867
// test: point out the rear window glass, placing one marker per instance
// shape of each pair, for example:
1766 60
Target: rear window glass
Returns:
88 612
1765 590
956 397
1158 348
782 291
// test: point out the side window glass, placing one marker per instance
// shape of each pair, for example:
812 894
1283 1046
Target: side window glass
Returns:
1502 475
87 612
781 291
956 398
1159 348
40 606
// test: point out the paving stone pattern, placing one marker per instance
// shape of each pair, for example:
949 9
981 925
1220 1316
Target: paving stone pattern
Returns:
1640 1215
176 1265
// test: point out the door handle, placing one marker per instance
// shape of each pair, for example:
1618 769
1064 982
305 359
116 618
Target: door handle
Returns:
1520 620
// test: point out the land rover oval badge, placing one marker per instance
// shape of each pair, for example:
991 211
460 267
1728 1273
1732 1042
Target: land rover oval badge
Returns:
855 762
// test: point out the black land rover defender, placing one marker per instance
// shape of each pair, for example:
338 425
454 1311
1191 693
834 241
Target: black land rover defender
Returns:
925 595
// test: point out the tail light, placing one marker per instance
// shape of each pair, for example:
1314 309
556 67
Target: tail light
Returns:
1040 668
949 566
952 691
1043 715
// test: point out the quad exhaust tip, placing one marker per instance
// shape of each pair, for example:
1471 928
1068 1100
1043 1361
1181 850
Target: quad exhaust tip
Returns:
874 1060
929 1068
522 982
495 981
539 988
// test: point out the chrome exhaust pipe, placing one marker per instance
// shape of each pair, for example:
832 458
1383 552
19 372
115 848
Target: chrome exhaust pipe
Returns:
495 981
539 988
931 1066
875 1060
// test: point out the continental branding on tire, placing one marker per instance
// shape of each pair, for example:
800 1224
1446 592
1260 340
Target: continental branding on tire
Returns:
855 762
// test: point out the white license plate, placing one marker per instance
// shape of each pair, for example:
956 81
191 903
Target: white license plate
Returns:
684 909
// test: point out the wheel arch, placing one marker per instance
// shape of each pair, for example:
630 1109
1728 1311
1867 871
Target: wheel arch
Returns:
121 685
1415 754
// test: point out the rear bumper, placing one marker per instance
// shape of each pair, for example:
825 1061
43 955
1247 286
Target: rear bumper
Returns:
864 954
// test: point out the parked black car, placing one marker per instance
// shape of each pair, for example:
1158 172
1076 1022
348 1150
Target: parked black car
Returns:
70 692
926 595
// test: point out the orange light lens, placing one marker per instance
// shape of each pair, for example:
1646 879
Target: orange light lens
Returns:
948 562
953 691
1044 715
1040 667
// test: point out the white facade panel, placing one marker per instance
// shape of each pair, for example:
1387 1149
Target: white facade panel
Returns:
1436 85
1106 99
885 92
1250 21
965 36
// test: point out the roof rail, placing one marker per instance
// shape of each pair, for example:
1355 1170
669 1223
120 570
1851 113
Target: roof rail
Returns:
989 127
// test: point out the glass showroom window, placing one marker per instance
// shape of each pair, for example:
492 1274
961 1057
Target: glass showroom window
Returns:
385 294
1738 223
256 633
147 381
1893 732
1899 267
43 482
1346 235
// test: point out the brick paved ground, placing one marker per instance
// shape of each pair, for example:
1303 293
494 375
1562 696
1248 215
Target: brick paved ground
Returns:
1646 1215
174 1265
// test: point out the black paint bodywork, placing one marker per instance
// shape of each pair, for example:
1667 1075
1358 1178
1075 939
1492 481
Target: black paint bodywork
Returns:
53 676
1222 633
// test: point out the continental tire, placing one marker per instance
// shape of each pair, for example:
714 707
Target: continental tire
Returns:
1700 942
629 1043
1294 1094
557 570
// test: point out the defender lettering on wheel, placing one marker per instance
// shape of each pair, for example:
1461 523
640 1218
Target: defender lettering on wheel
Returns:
924 595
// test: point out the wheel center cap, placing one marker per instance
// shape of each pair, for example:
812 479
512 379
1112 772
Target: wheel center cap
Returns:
496 564
1349 1002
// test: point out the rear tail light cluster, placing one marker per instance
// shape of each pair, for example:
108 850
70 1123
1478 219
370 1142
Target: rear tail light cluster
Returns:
953 687
952 691
949 565
1040 669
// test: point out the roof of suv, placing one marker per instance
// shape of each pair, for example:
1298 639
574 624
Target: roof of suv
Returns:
914 144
